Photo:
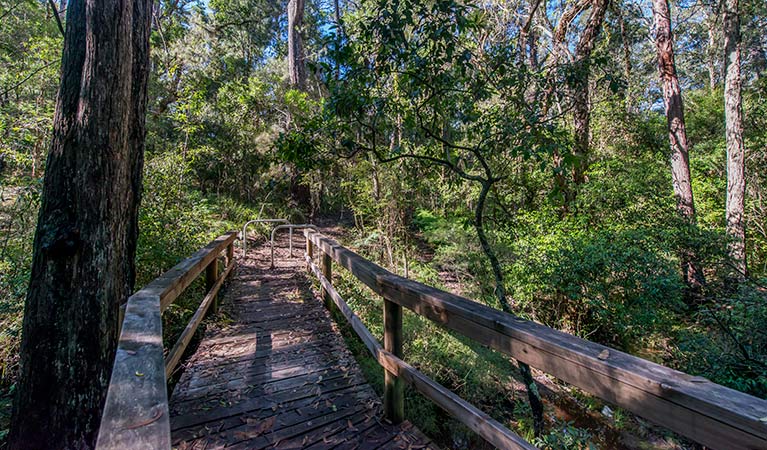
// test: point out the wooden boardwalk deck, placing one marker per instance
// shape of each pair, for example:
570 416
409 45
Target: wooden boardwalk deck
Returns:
278 375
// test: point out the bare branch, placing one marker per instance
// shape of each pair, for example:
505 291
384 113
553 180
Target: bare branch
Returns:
56 15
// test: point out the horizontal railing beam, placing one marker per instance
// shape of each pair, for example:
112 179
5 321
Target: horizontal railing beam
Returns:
136 409
695 407
479 422
174 356
172 283
476 420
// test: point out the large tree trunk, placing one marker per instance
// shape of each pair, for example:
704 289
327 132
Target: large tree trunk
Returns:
85 241
627 67
299 191
680 164
528 38
296 56
733 111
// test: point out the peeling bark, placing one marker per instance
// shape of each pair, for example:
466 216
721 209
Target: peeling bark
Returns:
296 54
579 89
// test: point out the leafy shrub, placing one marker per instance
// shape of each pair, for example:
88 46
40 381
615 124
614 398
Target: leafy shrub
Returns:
727 343
609 286
565 436
175 222
18 214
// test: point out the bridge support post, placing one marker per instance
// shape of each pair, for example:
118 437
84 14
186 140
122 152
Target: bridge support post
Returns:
211 275
327 272
309 251
230 257
394 387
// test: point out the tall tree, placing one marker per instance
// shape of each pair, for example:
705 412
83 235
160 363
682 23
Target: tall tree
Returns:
296 55
300 193
736 161
578 86
528 39
677 133
85 242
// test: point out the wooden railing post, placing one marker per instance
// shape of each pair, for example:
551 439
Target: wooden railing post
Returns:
211 275
394 393
309 252
230 256
327 272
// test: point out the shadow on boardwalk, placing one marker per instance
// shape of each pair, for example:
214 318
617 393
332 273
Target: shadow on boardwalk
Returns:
278 374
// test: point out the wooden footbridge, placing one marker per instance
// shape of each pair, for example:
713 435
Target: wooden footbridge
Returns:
278 375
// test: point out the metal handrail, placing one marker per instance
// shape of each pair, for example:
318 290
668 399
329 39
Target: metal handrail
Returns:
244 230
289 227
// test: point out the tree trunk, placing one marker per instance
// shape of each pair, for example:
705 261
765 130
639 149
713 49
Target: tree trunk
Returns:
711 48
733 111
578 88
580 92
299 192
528 38
534 397
680 164
627 67
339 38
296 56
85 241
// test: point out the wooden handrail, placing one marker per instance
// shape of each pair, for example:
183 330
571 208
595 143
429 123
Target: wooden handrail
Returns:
136 410
703 411
476 420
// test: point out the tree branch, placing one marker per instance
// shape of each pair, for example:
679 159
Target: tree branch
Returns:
5 92
56 15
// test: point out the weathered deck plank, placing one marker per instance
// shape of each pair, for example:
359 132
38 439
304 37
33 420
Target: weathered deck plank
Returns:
278 375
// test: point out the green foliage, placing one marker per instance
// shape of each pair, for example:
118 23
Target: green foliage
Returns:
728 344
475 373
410 105
175 222
566 436
18 214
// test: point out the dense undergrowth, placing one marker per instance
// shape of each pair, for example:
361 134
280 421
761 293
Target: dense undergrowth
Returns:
644 316
608 274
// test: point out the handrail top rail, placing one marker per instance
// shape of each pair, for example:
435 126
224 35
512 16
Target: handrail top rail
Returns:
687 404
173 282
291 227
136 409
490 429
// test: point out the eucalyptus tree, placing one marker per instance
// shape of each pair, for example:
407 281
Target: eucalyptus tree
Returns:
296 52
578 83
736 153
85 243
677 133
